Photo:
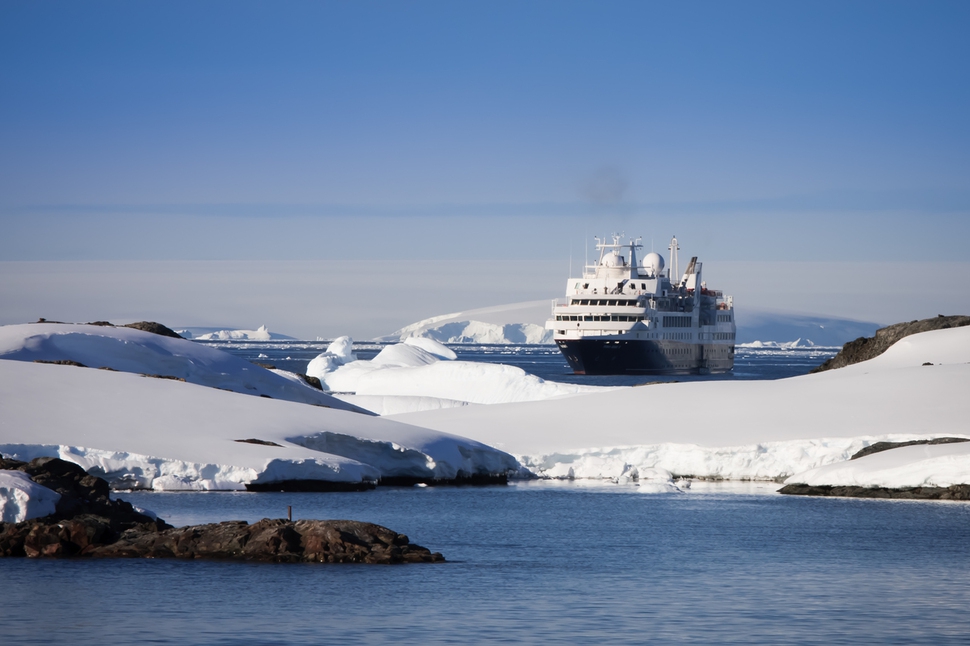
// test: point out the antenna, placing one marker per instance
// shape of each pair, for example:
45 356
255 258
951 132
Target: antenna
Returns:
674 268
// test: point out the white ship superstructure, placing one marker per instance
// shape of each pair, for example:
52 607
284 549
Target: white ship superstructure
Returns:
624 315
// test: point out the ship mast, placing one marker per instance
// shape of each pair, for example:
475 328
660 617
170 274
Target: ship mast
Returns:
674 267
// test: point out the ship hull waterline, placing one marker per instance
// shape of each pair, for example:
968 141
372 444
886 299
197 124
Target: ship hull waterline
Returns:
618 356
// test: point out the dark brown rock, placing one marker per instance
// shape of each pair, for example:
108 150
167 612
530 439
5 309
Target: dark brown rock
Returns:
312 381
274 540
154 328
88 523
955 492
61 362
865 348
879 447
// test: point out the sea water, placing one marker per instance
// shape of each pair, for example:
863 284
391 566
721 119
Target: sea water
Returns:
533 562
540 562
545 361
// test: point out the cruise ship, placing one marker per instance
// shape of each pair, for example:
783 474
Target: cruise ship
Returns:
631 316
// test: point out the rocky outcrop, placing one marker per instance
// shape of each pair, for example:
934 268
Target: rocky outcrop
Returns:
144 326
154 328
879 447
865 348
87 523
955 492
85 515
275 540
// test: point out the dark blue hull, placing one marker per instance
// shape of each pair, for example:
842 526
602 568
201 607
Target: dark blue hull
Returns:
614 356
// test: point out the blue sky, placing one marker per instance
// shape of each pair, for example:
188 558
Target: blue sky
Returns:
755 131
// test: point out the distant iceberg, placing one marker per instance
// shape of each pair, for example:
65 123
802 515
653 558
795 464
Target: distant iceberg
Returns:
215 334
517 323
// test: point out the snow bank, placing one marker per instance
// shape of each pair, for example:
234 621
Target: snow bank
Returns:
516 323
762 461
166 435
409 369
740 429
936 465
129 350
22 499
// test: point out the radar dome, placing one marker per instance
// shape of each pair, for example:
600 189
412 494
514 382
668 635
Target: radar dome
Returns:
613 259
653 264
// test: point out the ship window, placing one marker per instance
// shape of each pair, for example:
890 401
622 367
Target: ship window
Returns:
585 285
587 318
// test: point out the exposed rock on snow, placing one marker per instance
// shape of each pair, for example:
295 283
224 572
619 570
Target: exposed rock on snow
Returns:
86 522
130 350
144 326
865 348
879 447
425 371
939 465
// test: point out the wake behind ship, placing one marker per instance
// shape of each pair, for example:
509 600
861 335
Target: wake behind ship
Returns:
624 316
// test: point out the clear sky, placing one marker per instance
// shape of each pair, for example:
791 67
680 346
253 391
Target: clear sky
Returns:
781 133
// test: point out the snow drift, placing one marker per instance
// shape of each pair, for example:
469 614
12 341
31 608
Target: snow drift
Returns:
129 350
423 368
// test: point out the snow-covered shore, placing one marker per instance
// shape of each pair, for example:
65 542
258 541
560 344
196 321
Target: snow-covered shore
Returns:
164 434
737 430
168 435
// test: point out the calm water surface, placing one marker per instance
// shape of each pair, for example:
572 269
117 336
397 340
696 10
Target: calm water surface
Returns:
542 360
533 563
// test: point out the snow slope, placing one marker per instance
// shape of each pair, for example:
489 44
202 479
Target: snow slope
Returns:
129 350
22 499
937 465
743 429
164 434
409 369
501 324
